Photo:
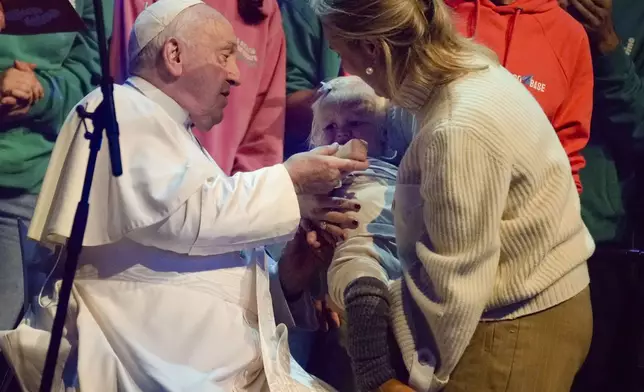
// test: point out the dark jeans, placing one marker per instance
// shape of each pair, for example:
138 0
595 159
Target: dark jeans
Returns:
616 358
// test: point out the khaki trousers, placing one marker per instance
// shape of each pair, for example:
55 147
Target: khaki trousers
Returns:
541 352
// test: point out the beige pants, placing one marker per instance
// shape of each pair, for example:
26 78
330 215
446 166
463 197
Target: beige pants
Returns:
541 352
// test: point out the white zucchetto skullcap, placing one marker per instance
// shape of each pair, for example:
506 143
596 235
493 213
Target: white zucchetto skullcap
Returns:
153 20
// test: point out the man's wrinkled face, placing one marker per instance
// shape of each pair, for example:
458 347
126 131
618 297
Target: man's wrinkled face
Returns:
209 72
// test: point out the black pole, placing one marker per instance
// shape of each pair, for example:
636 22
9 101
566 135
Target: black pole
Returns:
103 118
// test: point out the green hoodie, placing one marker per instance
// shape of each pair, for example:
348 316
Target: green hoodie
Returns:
65 64
309 60
614 174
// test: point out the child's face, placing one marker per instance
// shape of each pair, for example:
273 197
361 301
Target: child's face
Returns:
341 125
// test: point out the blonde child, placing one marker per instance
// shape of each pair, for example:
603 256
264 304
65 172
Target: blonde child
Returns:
364 263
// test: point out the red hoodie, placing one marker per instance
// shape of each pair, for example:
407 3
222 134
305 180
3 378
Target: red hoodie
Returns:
548 51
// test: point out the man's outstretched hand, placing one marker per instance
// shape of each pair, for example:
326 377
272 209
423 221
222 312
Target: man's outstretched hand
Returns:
318 172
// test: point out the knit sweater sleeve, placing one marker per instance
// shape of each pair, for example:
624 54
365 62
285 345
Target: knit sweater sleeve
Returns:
464 187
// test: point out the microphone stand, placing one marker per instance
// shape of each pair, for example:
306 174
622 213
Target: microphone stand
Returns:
103 118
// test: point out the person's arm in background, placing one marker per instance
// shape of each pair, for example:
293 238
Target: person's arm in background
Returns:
619 90
309 61
65 87
572 120
290 282
263 143
298 111
125 13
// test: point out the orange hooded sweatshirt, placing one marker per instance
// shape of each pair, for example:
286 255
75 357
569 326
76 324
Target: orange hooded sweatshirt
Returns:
548 51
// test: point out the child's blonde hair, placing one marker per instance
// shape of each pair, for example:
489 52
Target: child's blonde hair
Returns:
346 93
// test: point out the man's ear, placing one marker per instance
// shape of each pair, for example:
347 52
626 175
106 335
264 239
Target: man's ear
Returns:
173 56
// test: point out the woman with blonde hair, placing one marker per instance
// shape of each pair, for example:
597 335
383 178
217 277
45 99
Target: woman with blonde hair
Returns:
494 294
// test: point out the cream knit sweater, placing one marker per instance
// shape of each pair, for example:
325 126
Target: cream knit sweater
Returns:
487 219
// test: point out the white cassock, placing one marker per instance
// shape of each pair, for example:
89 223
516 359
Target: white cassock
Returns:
164 299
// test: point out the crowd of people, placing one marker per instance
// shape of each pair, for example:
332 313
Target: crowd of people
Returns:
320 195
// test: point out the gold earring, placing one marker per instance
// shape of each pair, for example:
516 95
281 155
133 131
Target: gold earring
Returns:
369 71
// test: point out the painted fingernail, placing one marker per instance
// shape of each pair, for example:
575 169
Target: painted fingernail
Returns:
355 223
358 207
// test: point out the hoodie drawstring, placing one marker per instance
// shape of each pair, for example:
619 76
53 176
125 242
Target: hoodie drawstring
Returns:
509 34
474 22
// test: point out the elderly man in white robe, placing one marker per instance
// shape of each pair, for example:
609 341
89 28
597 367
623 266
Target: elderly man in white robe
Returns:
172 292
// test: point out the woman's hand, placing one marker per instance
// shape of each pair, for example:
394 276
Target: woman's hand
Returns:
329 214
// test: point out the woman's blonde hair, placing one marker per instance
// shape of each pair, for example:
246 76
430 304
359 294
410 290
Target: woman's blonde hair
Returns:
346 93
419 44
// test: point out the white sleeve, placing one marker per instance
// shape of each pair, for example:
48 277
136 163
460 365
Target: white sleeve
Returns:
229 214
170 195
